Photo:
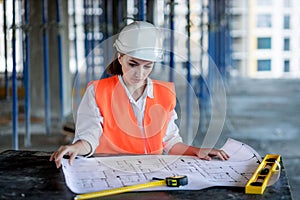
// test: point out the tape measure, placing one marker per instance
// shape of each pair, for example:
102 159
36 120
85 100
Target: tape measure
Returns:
176 181
259 180
172 181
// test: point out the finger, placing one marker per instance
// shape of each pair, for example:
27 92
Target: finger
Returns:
204 156
208 158
224 154
51 157
61 153
58 163
216 153
72 157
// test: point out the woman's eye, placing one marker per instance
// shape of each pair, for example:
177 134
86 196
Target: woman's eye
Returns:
132 65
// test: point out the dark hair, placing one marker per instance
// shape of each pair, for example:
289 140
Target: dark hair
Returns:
114 68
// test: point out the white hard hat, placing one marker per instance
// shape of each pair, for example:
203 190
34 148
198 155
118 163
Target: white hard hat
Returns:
140 40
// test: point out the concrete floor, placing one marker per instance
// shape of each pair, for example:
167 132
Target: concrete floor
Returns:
262 113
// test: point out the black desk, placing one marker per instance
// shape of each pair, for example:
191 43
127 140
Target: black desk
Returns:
30 175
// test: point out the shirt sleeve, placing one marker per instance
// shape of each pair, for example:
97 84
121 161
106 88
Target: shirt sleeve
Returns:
172 136
89 120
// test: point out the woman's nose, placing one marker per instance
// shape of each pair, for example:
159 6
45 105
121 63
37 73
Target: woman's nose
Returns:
139 72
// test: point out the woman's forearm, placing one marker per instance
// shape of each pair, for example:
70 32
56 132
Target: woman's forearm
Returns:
182 149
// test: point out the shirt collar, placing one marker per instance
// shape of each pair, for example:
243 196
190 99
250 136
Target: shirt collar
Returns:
148 90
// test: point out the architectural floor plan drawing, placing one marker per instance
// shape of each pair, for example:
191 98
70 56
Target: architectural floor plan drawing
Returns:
101 173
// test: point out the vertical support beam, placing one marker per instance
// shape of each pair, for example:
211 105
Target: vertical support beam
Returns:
92 41
14 82
46 67
171 23
150 10
86 42
211 41
5 50
108 9
119 10
228 39
60 62
27 141
221 40
189 78
141 10
103 30
77 77
202 86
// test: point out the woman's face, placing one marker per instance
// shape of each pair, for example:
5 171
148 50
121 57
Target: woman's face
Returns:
135 71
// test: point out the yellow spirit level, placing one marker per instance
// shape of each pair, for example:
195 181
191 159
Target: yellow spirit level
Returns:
259 180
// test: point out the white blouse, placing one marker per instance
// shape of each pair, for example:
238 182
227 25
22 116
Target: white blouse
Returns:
89 120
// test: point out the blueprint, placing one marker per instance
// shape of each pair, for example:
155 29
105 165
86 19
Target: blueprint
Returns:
101 173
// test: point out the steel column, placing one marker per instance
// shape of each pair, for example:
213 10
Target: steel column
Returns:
77 77
203 90
60 62
189 79
211 41
92 41
46 66
86 42
141 5
171 24
27 77
5 50
14 82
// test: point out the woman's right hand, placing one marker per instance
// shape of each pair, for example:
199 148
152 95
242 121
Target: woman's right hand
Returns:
80 147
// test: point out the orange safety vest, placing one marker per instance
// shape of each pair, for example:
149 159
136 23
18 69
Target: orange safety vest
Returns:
121 133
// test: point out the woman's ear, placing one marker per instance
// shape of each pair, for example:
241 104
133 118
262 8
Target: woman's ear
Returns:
119 57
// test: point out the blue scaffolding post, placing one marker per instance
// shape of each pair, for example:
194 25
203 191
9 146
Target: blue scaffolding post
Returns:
46 67
189 78
171 23
77 78
92 41
14 82
221 40
27 140
211 42
108 53
86 39
228 42
202 92
228 53
212 51
60 62
5 50
102 32
141 5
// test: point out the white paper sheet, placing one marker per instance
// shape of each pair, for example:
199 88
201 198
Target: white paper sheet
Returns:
101 173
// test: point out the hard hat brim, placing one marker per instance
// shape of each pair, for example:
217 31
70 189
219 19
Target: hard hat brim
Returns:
149 54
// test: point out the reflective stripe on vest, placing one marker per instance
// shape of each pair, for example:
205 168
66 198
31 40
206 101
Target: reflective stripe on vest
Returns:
121 133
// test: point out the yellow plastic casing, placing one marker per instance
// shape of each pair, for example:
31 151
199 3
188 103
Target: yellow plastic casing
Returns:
259 180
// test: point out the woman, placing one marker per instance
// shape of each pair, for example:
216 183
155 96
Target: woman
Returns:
129 113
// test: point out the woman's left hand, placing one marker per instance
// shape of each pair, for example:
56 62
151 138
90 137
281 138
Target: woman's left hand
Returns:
202 153
207 154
